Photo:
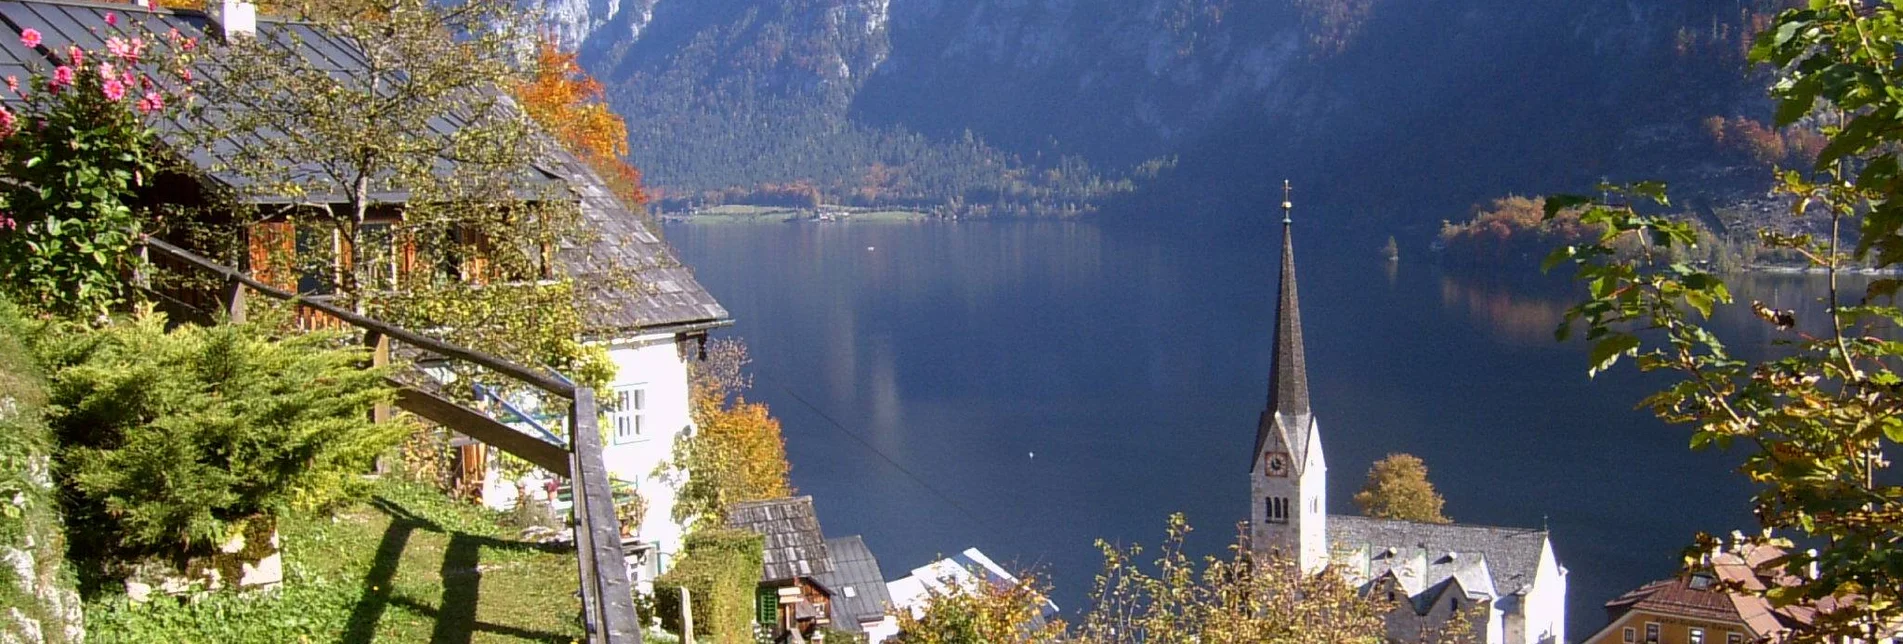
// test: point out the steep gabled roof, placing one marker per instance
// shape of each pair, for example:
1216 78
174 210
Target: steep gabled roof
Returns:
795 547
1496 560
667 294
857 584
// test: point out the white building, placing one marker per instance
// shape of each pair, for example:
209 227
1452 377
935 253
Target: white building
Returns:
964 572
1430 571
652 331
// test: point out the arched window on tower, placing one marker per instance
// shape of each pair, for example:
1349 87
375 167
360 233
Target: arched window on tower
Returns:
1276 509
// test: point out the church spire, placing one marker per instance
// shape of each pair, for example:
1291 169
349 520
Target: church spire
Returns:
1288 378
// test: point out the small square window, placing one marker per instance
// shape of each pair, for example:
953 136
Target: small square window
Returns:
1734 638
1697 636
1631 635
1651 631
629 415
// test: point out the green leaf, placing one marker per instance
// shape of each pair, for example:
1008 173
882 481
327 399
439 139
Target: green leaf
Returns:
1699 300
1606 352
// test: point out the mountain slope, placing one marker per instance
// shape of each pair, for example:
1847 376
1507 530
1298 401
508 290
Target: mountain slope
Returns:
1437 102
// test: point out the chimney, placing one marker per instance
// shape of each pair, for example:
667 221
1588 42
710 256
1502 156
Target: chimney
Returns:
233 18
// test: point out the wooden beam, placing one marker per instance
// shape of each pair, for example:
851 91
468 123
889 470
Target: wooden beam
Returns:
474 424
607 595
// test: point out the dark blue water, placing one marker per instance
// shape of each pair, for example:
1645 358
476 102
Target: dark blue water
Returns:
1133 365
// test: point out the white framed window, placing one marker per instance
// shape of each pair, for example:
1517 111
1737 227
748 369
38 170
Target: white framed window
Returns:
630 407
1651 631
1697 636
1631 635
1734 638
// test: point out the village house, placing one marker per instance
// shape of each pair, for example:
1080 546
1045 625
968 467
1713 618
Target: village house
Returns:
1508 578
1697 608
651 330
968 571
808 582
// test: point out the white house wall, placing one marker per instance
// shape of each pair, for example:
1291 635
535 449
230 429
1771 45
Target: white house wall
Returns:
654 365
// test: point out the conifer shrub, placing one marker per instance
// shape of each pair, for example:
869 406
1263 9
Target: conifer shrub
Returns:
171 441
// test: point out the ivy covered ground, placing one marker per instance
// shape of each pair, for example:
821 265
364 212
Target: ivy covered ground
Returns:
407 565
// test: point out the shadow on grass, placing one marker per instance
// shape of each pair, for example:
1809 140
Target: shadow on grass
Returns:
462 582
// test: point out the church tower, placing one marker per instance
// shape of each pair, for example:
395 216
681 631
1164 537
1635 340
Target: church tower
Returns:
1288 478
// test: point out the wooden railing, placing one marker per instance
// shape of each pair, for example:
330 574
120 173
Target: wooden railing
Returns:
607 595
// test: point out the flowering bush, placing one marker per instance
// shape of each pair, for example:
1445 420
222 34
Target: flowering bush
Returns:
76 152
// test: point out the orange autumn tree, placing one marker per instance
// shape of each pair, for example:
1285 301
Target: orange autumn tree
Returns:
735 453
568 103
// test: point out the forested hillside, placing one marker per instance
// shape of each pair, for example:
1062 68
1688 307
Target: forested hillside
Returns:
1048 105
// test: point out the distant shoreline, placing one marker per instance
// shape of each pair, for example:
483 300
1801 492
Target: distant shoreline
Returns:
778 214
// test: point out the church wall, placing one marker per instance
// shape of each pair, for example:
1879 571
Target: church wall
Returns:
1314 503
1545 604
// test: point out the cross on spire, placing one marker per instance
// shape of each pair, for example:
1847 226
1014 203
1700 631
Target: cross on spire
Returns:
1286 204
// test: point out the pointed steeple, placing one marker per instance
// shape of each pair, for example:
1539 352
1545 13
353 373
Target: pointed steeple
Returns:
1288 378
1287 416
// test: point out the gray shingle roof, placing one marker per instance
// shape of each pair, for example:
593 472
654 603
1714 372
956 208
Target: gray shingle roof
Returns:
1494 560
857 584
668 295
794 545
1287 417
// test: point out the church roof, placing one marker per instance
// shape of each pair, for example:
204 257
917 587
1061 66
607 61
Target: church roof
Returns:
1288 411
1425 556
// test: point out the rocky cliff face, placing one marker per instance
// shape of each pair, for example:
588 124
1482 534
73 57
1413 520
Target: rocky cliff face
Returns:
1461 98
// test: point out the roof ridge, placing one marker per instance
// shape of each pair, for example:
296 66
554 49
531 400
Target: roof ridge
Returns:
1452 524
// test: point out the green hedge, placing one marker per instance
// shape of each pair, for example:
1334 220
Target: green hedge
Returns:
721 567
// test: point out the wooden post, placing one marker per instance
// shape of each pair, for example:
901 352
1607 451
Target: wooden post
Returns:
379 357
687 617
234 300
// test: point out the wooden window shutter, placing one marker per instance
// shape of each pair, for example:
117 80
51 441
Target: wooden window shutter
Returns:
273 254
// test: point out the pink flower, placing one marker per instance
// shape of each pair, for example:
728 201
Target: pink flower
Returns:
77 55
118 47
106 70
30 38
126 78
113 89
8 124
152 102
7 222
190 44
62 77
13 84
111 18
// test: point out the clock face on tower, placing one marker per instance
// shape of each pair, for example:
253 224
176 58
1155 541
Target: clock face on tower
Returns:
1275 463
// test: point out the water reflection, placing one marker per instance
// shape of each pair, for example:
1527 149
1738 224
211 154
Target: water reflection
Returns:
1515 316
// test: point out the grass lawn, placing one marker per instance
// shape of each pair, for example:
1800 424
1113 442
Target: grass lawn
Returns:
408 565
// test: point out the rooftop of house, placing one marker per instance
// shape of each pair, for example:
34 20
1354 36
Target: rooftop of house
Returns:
794 546
1427 559
856 583
965 569
666 295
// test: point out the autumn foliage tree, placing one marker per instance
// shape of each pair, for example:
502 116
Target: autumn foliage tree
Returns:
736 453
1398 488
568 103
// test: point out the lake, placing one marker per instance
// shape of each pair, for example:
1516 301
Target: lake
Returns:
1029 387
